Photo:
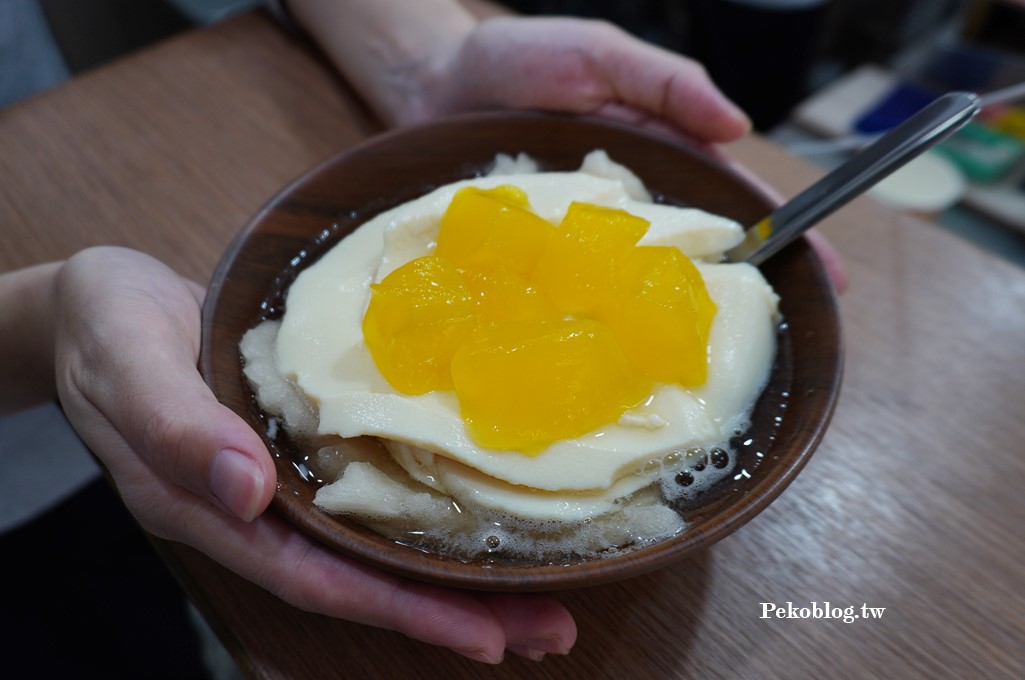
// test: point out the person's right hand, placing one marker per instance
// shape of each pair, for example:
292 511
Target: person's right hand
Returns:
190 470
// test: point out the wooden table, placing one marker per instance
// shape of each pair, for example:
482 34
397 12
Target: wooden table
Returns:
913 503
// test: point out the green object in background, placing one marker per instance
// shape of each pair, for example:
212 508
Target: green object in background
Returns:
982 153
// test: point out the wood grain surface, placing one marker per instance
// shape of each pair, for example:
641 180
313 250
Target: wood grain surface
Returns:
913 502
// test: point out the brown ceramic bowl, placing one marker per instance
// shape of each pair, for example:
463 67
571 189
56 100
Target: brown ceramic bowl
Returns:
322 207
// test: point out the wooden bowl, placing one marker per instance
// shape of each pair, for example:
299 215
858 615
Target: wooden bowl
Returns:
326 204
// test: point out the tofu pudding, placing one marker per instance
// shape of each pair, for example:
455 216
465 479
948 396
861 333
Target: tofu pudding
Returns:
525 363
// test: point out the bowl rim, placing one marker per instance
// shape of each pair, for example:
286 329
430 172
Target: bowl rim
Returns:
450 571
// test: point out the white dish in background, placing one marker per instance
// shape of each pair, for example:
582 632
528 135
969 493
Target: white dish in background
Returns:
929 184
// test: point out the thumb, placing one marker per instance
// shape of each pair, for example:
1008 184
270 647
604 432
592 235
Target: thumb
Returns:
126 361
186 436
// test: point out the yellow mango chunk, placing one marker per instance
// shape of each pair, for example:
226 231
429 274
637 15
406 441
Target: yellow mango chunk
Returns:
577 269
662 315
483 228
418 316
503 296
522 386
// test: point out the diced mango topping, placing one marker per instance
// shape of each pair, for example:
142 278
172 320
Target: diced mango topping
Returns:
577 269
662 314
483 230
524 385
418 316
543 332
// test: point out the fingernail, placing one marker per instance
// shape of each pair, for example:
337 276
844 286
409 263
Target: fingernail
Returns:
234 479
482 656
732 110
550 645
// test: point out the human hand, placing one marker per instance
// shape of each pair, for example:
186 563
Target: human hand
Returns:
190 470
578 66
418 60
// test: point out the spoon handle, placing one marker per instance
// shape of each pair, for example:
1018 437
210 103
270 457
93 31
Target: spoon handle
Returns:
935 122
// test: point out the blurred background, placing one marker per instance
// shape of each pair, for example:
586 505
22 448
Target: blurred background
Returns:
766 54
805 71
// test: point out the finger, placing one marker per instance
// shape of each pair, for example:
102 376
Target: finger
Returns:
642 119
674 88
534 625
131 355
582 66
197 291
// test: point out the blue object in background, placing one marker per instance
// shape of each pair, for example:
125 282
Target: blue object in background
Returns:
900 104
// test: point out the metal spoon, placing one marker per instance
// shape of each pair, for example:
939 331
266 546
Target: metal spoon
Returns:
935 122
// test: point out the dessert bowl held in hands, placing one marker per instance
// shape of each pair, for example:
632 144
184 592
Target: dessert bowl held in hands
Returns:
757 459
